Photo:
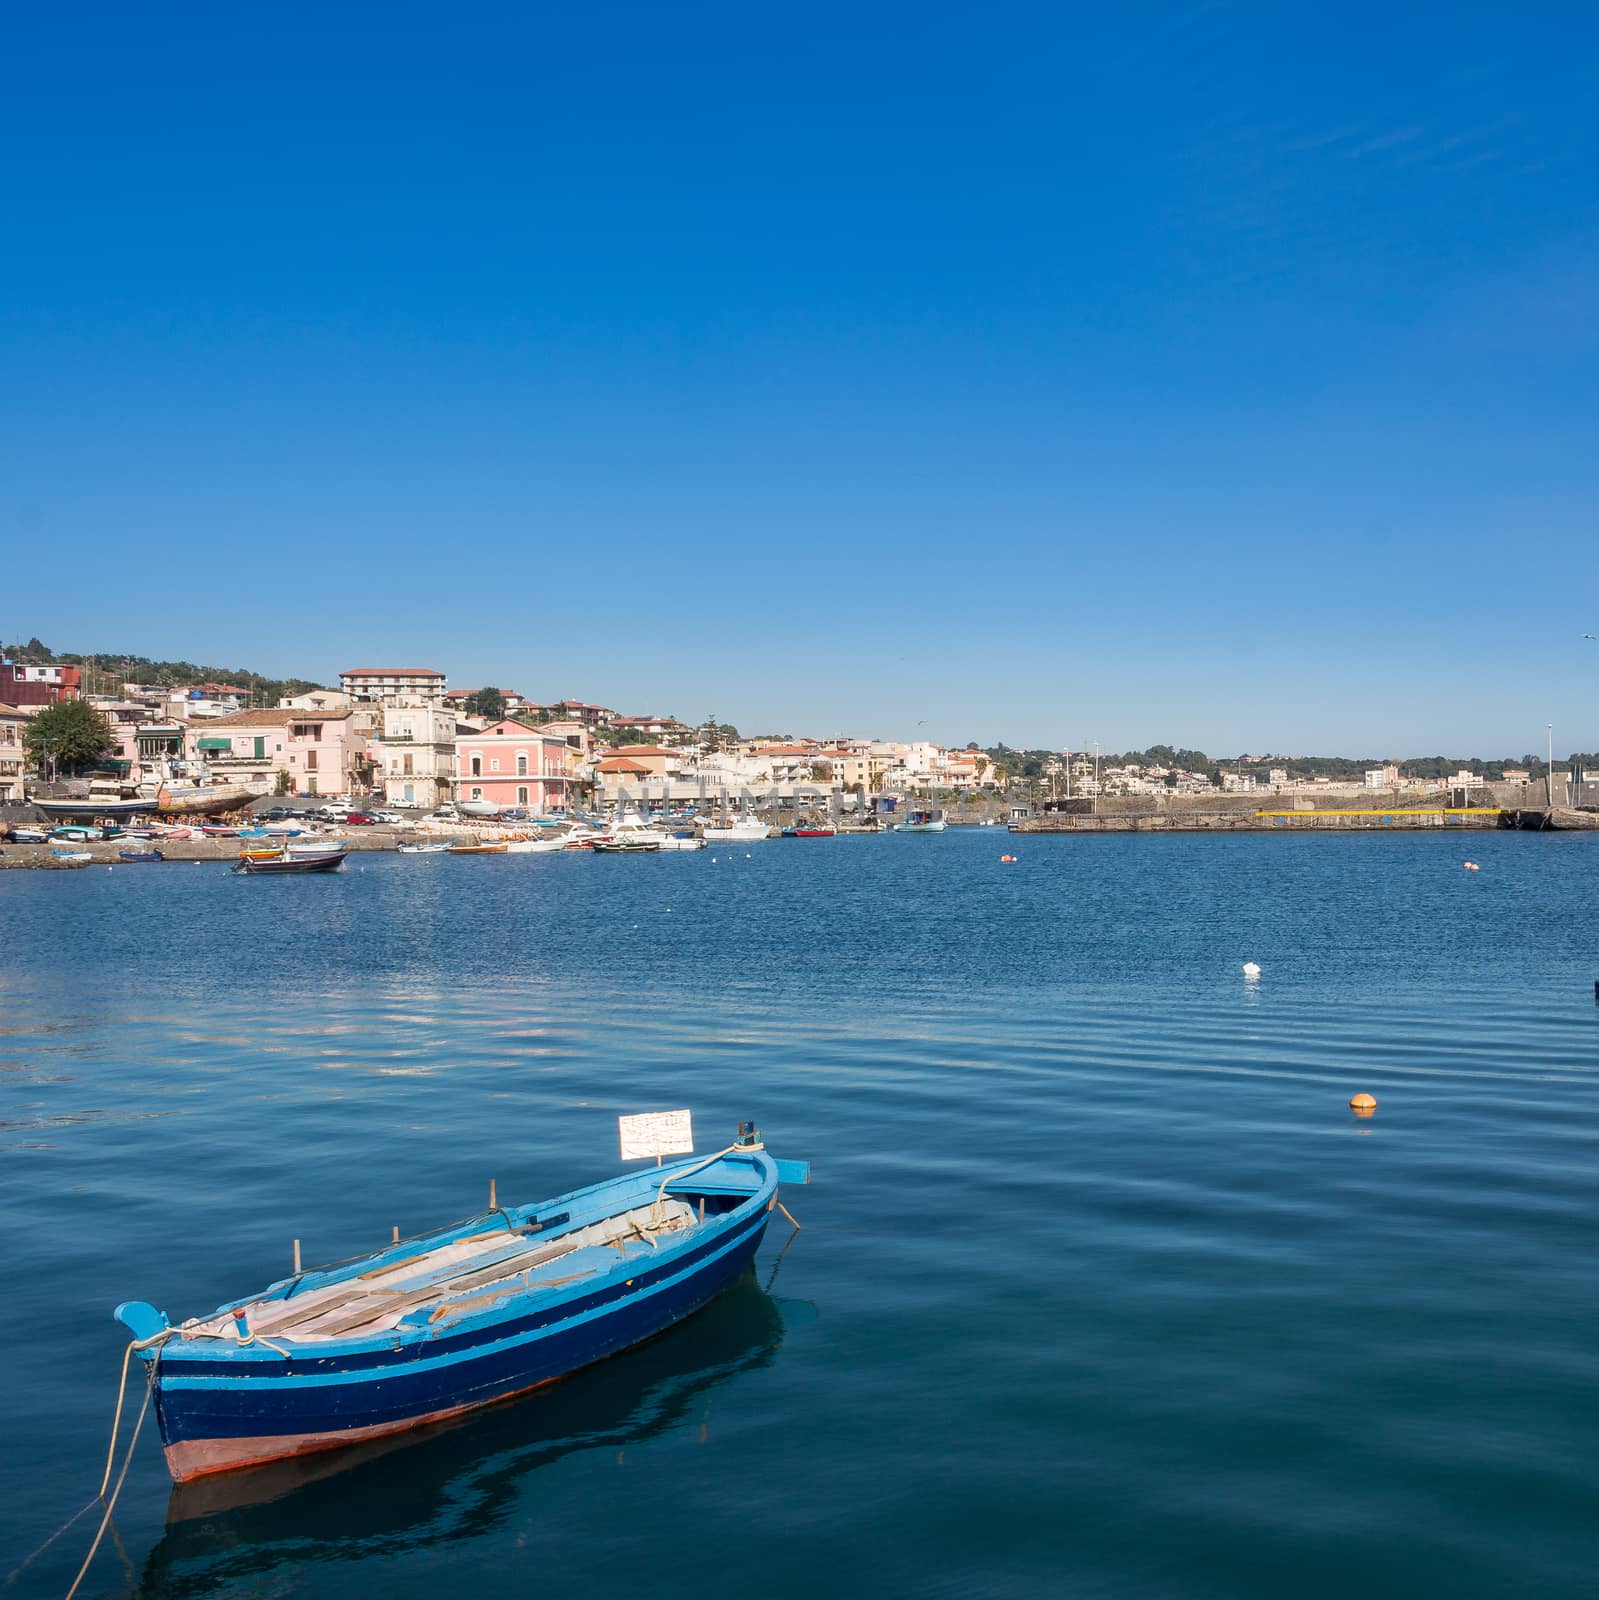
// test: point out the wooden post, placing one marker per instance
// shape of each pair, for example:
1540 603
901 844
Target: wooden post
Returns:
296 1255
396 1233
494 1204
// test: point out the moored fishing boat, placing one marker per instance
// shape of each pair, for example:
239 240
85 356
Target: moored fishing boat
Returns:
427 1328
442 847
744 829
922 822
483 847
134 857
802 832
72 857
285 861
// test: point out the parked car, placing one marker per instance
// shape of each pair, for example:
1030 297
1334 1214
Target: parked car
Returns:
359 819
388 818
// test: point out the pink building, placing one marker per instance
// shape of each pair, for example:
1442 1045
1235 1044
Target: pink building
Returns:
510 764
300 752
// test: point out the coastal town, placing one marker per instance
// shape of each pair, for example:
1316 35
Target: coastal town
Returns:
402 737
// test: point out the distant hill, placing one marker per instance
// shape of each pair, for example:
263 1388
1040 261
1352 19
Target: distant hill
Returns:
105 671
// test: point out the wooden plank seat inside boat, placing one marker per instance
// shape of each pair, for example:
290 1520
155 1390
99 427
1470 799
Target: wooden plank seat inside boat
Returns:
438 1283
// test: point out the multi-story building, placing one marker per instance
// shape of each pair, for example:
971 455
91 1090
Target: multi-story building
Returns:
590 716
667 730
204 700
416 755
1382 777
31 689
12 721
315 700
397 686
304 752
510 764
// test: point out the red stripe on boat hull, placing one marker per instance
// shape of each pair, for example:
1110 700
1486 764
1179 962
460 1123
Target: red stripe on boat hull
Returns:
197 1458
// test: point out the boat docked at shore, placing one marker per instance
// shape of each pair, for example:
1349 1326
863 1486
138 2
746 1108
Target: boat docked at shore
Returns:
808 833
744 829
93 807
442 847
201 800
922 822
427 1328
482 847
139 857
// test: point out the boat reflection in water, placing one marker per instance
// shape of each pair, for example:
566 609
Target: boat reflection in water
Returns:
459 1478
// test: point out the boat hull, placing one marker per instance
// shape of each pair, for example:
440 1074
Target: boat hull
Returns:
66 810
210 1422
327 861
202 802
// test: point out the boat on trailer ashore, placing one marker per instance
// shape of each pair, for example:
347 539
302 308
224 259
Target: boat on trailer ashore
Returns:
430 1327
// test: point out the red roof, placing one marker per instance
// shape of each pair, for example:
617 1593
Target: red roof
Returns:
621 764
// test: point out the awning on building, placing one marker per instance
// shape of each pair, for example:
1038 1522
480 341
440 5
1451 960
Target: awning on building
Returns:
216 744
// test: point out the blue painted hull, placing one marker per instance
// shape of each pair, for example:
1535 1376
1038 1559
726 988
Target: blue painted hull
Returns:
221 1406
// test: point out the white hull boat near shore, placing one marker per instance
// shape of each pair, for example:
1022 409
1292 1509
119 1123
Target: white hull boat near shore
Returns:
745 830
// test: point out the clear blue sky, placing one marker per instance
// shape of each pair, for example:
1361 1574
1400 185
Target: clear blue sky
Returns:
1218 374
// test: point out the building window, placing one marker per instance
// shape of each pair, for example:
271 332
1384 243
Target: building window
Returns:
521 764
494 763
477 767
521 795
477 794
310 761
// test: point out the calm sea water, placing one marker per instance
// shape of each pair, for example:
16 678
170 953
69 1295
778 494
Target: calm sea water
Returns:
1101 1290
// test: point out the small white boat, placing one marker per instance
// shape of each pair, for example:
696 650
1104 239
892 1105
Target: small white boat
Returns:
922 822
674 841
630 833
302 846
745 828
439 849
477 808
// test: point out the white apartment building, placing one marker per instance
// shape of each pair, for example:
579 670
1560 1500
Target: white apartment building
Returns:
1382 777
394 686
416 755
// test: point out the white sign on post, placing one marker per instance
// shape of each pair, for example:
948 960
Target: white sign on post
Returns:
656 1133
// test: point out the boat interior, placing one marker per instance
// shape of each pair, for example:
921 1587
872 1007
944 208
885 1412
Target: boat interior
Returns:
417 1287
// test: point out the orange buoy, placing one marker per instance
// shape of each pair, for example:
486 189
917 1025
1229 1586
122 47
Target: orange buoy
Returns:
1007 858
1363 1105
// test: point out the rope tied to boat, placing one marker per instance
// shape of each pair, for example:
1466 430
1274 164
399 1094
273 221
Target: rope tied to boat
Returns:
154 1342
686 1172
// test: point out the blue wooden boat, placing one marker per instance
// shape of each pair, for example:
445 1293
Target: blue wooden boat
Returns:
430 1327
134 856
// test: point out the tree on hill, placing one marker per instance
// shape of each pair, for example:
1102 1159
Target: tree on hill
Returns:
70 734
488 703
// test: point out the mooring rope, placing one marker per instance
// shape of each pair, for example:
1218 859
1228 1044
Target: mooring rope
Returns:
157 1341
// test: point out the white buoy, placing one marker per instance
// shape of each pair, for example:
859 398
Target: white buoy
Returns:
1251 969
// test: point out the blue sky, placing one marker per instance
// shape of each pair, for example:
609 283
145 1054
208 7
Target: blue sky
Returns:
1222 375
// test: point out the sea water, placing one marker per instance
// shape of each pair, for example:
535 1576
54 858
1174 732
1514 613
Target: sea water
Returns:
1100 1289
